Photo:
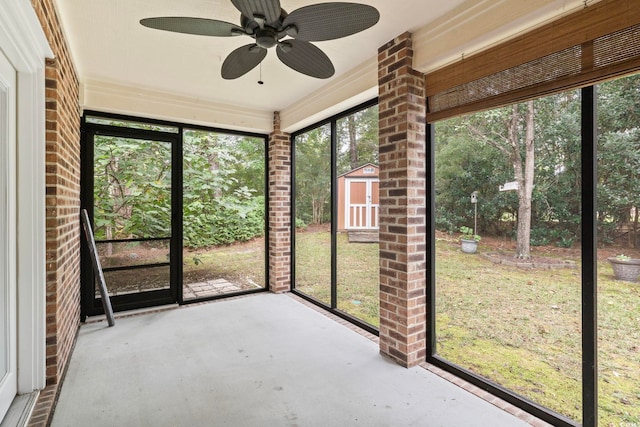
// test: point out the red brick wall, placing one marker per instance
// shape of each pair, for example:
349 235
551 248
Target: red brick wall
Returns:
402 109
63 195
279 208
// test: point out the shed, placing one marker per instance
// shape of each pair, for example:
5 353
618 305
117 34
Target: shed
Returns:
358 199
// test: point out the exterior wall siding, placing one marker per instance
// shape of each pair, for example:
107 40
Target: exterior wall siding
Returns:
402 112
62 195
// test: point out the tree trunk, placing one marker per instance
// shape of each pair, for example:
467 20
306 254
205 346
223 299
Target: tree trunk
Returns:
214 165
353 142
317 210
525 179
109 236
511 146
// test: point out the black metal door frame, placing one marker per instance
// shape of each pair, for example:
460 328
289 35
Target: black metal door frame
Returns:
90 305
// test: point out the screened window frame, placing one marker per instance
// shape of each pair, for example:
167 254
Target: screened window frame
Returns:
332 307
583 31
588 282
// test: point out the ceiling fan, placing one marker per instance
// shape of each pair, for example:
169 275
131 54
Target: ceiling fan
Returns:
270 26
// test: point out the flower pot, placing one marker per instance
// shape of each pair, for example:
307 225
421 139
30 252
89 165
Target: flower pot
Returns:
625 269
469 246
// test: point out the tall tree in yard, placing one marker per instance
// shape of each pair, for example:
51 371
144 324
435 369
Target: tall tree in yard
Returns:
357 136
512 132
353 142
313 175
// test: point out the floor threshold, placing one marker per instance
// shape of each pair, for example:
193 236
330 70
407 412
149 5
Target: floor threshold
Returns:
20 410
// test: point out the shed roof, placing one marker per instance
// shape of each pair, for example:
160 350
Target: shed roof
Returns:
360 168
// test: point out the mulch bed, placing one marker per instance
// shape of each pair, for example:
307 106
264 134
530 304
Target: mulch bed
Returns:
500 250
541 262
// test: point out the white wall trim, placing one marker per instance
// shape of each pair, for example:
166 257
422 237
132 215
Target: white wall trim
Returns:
358 85
112 97
477 25
23 42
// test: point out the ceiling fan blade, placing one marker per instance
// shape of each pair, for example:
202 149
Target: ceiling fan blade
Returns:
198 26
270 9
242 60
305 58
328 21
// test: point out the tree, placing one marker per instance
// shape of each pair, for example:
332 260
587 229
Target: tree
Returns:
353 142
357 140
512 133
223 188
619 158
223 192
465 164
356 145
313 175
132 188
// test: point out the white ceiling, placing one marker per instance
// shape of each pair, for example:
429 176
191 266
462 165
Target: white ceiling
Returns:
109 46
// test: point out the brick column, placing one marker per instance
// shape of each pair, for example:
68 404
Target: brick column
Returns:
62 196
402 108
279 208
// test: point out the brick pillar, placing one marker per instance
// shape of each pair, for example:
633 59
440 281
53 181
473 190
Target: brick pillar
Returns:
279 208
402 108
62 195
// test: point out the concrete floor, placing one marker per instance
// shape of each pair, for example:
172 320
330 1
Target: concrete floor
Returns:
263 360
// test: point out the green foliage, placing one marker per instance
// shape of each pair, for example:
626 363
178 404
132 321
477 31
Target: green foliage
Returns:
467 234
223 192
360 129
313 175
228 222
467 163
619 157
223 198
132 188
539 237
556 196
356 145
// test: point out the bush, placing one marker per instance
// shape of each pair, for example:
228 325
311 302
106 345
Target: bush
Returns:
229 221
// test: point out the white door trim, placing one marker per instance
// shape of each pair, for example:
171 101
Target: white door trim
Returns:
8 287
23 42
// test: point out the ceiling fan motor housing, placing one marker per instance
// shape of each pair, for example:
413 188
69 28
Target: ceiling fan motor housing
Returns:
266 37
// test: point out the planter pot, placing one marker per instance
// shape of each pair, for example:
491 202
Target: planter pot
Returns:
625 269
469 246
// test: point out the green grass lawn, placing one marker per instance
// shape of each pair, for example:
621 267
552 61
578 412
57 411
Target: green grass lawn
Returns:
357 273
520 328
